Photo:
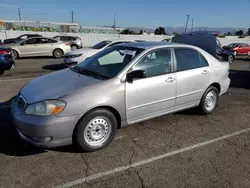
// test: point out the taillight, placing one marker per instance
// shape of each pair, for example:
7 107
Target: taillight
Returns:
67 44
4 52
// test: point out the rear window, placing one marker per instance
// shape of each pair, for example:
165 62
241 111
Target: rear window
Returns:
101 44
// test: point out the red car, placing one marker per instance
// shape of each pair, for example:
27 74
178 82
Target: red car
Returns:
239 48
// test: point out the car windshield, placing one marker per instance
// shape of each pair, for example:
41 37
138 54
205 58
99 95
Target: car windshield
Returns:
107 63
100 45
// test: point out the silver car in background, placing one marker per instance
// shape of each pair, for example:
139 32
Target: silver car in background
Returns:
77 56
39 46
75 42
119 86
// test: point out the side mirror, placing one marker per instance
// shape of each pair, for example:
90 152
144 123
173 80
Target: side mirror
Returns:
135 74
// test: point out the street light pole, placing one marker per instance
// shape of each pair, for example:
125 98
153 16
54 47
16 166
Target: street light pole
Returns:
187 23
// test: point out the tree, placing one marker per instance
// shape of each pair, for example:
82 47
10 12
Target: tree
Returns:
140 32
128 32
229 34
160 31
240 32
248 31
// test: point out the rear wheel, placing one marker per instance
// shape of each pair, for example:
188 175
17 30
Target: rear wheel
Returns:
96 130
209 100
15 54
58 53
73 47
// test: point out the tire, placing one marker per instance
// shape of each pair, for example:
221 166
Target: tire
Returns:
1 72
230 59
95 130
248 53
15 54
74 47
209 100
58 53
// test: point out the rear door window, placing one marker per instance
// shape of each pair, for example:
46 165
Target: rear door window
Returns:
187 59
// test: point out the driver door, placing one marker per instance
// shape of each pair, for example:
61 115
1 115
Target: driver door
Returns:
155 94
29 47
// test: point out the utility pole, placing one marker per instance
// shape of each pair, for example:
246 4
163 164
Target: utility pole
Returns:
72 16
19 14
187 23
192 25
114 21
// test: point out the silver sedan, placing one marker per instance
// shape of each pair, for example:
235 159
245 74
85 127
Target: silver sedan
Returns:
119 86
39 46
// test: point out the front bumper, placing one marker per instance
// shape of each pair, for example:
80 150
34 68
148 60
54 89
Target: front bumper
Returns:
29 127
225 85
72 61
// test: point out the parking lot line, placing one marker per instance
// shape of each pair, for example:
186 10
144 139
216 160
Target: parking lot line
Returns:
149 160
17 79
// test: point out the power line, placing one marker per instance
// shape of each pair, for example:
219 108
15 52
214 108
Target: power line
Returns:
187 23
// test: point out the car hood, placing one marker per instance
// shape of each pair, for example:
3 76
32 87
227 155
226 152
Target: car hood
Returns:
55 85
82 51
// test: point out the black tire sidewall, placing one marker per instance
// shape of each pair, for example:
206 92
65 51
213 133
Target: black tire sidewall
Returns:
203 110
74 46
79 130
16 53
55 52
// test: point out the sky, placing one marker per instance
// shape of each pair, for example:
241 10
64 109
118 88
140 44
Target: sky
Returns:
132 13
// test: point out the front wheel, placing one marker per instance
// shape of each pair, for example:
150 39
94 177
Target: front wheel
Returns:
230 59
96 130
15 54
209 100
58 53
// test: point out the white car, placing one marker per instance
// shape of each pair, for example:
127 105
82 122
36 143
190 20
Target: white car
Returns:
77 56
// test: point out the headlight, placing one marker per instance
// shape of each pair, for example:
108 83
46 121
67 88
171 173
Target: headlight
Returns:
46 108
77 55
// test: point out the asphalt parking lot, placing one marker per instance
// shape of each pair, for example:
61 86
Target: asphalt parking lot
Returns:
178 150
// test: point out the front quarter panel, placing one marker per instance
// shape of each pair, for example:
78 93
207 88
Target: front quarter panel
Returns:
109 93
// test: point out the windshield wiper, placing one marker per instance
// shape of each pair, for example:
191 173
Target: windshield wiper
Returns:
95 74
77 69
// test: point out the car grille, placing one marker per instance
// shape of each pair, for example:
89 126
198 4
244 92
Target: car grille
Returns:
21 103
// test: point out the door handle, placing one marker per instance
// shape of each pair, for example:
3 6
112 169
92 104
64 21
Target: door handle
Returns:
170 79
205 72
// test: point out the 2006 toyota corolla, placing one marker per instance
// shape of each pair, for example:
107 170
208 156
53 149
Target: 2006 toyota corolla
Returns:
118 86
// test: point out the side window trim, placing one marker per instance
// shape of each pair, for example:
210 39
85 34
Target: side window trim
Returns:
175 61
152 51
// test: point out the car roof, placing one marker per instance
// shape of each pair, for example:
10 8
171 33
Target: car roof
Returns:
148 45
119 40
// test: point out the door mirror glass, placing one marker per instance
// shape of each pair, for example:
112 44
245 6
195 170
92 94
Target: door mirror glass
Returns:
135 74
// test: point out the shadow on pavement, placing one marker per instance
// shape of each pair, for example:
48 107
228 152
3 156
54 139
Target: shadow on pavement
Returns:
55 67
10 142
240 79
37 57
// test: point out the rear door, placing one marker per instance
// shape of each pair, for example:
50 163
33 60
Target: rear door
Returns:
192 74
46 46
243 49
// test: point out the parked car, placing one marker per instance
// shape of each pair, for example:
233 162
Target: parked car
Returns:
238 48
202 41
39 46
74 57
6 60
21 37
118 86
75 42
166 40
225 55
